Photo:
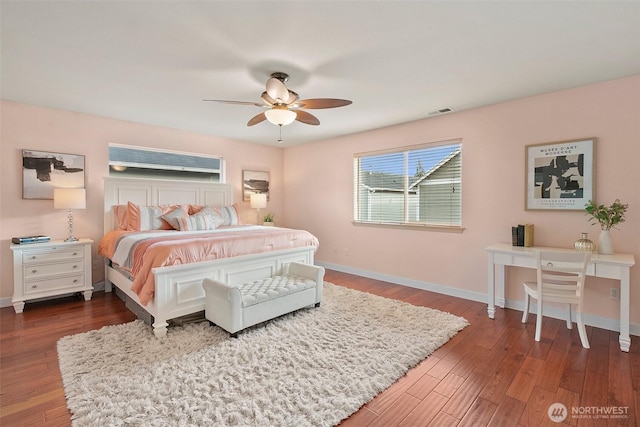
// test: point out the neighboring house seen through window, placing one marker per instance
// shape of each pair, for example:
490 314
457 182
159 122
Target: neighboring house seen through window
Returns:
417 185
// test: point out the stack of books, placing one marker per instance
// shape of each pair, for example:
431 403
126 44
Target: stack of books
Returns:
522 235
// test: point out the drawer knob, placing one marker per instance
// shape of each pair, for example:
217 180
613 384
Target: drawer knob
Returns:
33 271
75 280
34 286
33 257
75 266
75 253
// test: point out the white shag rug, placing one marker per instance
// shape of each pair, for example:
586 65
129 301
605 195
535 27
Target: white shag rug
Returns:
314 367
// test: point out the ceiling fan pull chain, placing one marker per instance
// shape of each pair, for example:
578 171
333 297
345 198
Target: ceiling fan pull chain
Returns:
280 139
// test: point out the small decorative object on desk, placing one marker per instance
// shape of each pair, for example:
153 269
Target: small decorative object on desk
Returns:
584 244
607 217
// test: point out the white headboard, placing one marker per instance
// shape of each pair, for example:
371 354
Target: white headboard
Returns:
153 192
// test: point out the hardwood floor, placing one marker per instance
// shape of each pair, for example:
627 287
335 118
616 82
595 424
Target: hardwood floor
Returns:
491 373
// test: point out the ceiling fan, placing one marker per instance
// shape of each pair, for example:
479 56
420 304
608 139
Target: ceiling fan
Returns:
284 106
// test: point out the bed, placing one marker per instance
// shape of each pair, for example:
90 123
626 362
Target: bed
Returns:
178 288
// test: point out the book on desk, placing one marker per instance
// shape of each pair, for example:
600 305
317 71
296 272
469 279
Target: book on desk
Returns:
522 235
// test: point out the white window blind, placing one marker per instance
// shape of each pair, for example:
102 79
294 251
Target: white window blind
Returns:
418 185
143 162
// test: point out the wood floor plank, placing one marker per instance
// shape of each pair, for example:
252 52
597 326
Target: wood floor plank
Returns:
507 413
425 411
491 373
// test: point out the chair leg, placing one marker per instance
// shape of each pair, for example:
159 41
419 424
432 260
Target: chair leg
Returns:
581 330
539 320
569 322
525 312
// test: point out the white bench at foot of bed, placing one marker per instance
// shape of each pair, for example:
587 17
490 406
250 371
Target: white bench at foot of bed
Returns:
179 290
237 307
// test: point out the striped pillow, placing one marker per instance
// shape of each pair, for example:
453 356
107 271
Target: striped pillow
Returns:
229 215
142 218
206 219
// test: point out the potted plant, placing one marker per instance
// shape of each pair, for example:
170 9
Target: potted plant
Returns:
268 219
608 217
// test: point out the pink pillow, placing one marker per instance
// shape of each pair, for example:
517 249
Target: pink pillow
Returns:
173 217
194 209
121 213
142 218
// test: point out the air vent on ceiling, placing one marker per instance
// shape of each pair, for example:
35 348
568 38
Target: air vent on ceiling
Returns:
444 110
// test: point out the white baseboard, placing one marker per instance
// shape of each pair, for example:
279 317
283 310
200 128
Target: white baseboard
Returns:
553 312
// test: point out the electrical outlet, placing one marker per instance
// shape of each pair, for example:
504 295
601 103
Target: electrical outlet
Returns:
613 293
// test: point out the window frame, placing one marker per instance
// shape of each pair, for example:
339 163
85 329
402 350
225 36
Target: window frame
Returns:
406 223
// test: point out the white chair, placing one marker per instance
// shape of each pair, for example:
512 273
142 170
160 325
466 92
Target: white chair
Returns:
560 278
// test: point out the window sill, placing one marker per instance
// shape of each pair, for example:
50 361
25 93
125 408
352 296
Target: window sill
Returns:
412 226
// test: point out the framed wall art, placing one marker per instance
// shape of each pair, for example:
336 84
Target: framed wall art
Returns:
254 182
560 175
42 171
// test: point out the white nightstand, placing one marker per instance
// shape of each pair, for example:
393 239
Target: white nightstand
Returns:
50 269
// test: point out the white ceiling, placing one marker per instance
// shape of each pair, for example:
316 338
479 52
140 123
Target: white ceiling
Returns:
154 61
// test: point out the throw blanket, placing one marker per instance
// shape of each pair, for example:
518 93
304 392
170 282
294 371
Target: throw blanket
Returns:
141 252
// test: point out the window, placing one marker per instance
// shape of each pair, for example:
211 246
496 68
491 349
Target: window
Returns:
418 185
155 163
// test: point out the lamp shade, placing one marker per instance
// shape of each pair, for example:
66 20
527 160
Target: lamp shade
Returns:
69 198
259 200
280 116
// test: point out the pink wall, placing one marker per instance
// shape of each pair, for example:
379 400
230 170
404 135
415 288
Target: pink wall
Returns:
30 127
318 187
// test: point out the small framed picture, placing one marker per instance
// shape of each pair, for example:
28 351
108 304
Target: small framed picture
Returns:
254 182
560 175
42 171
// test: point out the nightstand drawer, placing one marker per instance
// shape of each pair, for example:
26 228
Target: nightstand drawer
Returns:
47 270
70 282
52 254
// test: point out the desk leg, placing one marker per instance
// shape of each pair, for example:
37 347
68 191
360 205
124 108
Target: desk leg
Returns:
491 290
500 273
625 339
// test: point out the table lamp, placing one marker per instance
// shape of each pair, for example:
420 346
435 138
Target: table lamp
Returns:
69 199
258 201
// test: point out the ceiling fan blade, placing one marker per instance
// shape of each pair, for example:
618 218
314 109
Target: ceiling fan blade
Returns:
293 97
277 90
319 103
267 99
257 104
304 117
257 119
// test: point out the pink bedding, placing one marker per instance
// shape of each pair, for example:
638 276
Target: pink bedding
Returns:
159 249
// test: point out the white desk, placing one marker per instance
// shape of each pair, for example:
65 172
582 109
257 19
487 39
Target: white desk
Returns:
616 266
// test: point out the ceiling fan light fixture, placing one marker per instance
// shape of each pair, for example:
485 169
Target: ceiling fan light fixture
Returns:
280 116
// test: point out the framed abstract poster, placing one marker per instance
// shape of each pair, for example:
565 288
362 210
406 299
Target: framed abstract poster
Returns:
42 171
560 175
254 182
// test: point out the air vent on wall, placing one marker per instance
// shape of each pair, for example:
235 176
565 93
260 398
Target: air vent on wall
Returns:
444 110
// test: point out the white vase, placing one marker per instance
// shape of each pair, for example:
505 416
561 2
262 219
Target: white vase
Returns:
605 243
